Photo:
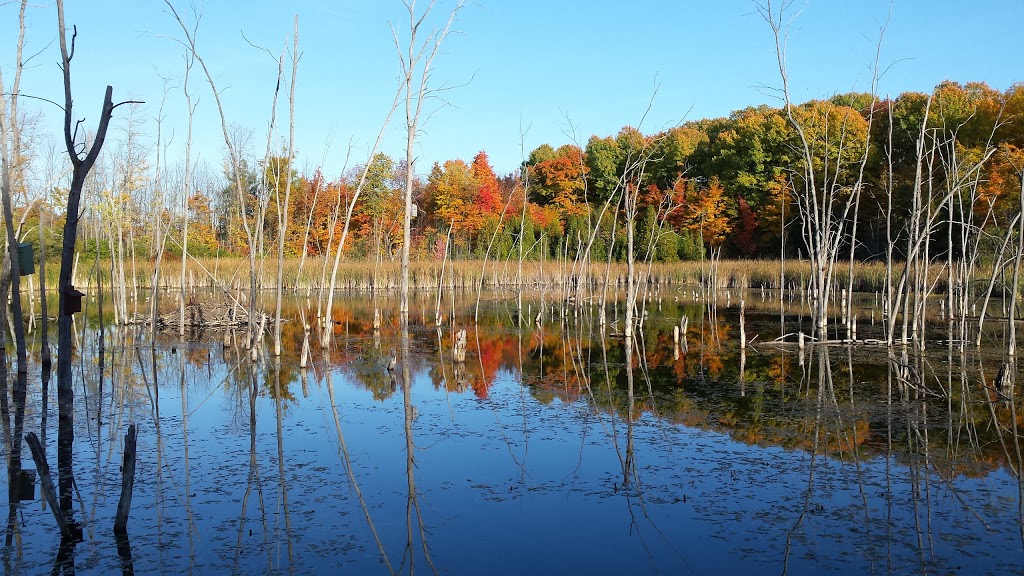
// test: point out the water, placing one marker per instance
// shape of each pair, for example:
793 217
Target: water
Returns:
538 455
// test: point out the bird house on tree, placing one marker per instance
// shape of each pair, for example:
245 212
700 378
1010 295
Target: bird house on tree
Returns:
26 259
72 301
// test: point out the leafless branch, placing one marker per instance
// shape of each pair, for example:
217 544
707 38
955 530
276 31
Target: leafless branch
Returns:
31 97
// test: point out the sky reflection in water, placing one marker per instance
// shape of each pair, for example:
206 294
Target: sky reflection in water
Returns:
768 471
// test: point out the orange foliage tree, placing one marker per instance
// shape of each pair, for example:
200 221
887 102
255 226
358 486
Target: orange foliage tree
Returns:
559 181
202 239
706 212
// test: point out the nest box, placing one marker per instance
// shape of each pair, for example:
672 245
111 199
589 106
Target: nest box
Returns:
72 301
26 259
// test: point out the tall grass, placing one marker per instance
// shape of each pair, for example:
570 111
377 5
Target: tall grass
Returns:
233 272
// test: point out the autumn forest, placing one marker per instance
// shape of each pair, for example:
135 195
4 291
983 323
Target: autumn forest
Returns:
722 183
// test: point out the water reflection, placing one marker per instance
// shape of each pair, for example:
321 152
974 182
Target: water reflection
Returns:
398 456
282 479
124 552
414 522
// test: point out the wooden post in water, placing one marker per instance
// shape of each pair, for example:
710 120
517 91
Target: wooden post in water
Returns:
46 483
124 505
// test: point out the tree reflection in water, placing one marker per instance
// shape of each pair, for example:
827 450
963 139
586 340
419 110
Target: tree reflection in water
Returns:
413 513
349 471
912 460
249 376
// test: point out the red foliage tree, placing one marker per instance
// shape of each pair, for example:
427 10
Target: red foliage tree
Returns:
745 229
488 196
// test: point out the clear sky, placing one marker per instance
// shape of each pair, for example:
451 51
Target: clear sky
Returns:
521 72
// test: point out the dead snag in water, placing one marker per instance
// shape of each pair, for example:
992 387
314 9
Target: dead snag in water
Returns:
124 505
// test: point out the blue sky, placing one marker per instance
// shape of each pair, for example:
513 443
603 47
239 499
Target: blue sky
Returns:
557 70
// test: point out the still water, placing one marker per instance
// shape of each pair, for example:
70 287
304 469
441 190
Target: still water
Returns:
540 454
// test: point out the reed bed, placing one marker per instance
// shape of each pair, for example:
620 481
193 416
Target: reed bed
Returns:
233 273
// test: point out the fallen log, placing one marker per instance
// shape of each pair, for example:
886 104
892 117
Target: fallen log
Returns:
46 483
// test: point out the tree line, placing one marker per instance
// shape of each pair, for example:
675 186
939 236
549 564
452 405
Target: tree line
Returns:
722 184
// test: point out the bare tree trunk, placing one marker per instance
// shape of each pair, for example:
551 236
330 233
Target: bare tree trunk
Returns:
44 351
81 165
782 263
186 189
113 275
888 299
630 267
416 64
1011 345
283 213
121 280
135 275
522 230
10 149
440 278
160 236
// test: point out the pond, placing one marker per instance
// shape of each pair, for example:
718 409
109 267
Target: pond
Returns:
549 450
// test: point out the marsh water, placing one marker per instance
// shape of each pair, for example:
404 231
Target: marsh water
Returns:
550 450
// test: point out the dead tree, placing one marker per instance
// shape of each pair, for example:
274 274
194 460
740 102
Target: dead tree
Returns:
83 157
159 232
234 157
282 213
826 201
10 149
416 61
186 189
